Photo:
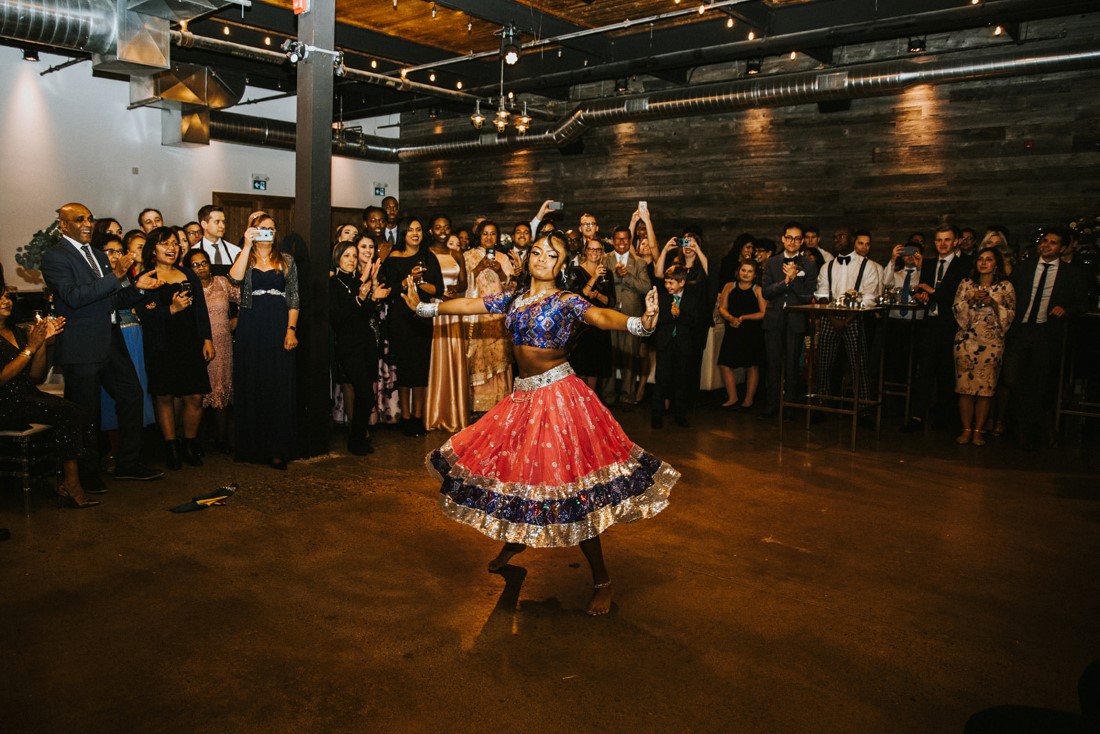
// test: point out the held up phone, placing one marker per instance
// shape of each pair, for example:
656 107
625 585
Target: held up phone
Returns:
185 287
490 252
909 251
683 241
556 205
642 206
265 234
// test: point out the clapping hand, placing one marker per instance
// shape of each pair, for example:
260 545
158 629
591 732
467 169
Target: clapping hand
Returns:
411 297
147 281
121 266
649 319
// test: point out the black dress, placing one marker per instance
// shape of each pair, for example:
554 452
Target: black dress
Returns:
591 355
743 346
172 343
410 336
355 344
264 380
21 403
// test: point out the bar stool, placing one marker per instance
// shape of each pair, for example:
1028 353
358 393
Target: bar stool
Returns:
29 455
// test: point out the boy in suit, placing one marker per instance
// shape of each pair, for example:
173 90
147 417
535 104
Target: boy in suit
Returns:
681 314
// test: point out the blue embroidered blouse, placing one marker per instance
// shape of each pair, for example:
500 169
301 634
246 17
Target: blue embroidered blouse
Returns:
548 323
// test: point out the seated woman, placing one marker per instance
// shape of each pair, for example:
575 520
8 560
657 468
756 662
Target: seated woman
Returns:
178 344
548 466
21 358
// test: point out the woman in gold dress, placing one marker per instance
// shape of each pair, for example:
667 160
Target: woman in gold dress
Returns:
488 348
448 405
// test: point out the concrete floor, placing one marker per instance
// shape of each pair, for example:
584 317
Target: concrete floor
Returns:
786 589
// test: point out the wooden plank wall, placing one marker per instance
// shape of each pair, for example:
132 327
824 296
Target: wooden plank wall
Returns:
1020 152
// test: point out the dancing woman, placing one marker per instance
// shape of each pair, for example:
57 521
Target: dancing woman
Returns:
548 466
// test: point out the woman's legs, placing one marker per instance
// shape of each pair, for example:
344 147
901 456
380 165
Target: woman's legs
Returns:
419 396
966 415
505 555
983 405
404 396
752 380
192 416
730 384
601 596
164 406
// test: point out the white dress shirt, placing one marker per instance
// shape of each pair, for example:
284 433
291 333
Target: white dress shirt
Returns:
1048 288
844 278
228 251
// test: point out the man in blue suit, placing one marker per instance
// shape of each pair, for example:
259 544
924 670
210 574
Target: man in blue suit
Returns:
789 280
90 351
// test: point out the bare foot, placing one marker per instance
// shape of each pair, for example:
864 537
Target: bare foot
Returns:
505 555
601 600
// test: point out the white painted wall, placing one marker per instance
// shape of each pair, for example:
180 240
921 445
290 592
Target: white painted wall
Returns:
68 136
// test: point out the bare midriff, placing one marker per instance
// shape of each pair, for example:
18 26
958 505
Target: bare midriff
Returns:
536 360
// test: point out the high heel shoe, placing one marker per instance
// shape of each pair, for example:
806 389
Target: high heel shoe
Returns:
172 454
64 499
192 451
964 437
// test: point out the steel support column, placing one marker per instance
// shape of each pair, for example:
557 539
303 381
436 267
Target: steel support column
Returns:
312 215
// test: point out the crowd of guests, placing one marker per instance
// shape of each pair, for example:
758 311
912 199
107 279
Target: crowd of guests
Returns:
167 324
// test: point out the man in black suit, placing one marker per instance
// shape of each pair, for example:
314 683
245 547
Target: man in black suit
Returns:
1049 293
789 280
90 351
934 385
680 326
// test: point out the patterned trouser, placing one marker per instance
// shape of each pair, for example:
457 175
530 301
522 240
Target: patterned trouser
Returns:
854 342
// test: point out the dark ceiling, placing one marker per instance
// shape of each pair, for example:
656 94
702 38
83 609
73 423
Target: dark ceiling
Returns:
580 41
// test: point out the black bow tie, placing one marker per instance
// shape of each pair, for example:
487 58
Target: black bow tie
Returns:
844 259
790 259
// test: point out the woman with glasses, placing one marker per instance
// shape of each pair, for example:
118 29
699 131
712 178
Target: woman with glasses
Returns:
591 355
264 377
219 293
133 335
178 346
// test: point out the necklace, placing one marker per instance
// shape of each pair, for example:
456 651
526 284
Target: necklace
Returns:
528 298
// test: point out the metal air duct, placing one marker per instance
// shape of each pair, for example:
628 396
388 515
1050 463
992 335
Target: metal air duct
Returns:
865 80
78 25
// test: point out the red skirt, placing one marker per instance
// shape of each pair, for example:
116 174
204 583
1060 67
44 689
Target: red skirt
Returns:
548 467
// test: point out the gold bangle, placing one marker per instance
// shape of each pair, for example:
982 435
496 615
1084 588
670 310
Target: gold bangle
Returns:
28 353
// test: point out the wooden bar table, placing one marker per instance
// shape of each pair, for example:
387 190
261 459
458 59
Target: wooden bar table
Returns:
841 317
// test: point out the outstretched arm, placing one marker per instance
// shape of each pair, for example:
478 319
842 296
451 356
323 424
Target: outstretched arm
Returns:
609 319
453 307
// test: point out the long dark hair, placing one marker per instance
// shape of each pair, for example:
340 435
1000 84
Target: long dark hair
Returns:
998 271
403 229
523 283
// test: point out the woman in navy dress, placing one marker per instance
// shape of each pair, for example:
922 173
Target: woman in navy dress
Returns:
264 381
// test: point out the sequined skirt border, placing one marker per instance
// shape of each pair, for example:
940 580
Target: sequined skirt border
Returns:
632 491
548 467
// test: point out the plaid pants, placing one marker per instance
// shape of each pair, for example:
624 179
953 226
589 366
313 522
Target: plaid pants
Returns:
854 341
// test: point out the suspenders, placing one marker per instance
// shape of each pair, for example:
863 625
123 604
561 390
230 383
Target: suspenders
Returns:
859 275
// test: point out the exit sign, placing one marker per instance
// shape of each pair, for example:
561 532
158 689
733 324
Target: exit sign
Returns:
259 185
379 190
301 6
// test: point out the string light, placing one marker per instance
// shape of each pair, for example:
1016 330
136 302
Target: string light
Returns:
225 29
267 40
729 23
458 85
702 9
404 73
374 63
431 77
794 55
477 119
999 30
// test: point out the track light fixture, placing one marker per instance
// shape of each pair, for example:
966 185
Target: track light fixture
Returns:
295 50
752 66
477 119
509 45
338 64
917 45
30 54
